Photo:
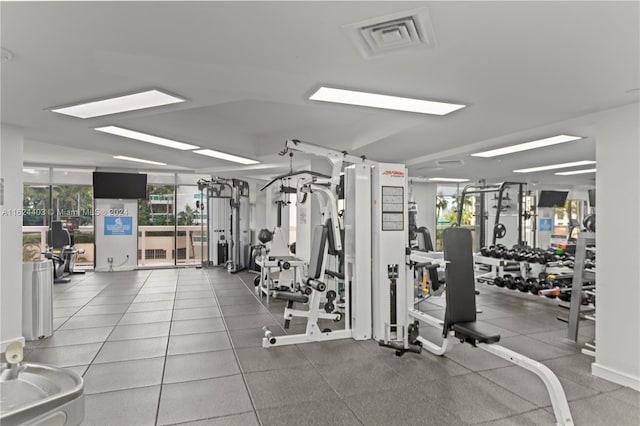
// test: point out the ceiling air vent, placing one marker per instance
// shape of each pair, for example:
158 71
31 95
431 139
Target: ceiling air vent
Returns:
395 33
450 163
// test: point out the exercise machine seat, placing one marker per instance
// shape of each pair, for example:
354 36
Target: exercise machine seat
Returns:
424 239
472 332
291 297
59 237
460 312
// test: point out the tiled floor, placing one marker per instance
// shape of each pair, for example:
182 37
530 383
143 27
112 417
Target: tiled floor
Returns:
184 347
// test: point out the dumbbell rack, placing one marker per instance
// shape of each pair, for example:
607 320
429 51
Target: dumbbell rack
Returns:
586 242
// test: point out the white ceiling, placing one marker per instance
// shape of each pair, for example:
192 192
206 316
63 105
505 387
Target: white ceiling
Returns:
526 70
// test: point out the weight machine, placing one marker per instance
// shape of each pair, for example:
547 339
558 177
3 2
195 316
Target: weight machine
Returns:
228 234
499 230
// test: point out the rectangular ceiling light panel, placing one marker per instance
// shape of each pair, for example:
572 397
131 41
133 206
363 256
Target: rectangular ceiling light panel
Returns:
225 156
373 100
554 140
138 160
135 101
144 137
555 166
576 172
448 180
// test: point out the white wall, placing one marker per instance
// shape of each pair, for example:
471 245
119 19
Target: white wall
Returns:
11 147
618 242
424 195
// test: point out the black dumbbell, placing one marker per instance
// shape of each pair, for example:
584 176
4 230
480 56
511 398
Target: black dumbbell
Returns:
486 251
521 284
509 282
499 281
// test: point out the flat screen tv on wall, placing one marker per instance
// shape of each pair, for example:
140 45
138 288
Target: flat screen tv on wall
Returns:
552 198
119 185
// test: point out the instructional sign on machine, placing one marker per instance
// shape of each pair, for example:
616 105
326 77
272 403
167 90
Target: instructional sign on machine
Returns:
392 208
118 225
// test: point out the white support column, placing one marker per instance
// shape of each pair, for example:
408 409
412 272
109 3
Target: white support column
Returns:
618 246
11 151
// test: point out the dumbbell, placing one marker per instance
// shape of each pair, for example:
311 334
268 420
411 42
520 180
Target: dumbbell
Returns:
537 286
549 283
530 283
509 282
521 284
486 251
497 251
499 281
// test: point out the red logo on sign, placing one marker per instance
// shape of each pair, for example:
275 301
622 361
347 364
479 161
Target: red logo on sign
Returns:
393 173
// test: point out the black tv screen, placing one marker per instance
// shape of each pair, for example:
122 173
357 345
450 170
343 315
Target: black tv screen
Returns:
119 185
552 198
592 197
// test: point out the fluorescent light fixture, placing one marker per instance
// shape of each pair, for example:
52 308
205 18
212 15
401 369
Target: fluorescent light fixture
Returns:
554 166
135 101
224 156
144 137
437 179
576 172
397 103
539 143
138 160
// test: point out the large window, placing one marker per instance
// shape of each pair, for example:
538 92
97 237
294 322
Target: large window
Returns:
447 206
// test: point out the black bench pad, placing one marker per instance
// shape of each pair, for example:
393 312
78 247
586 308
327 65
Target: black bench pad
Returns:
473 332
293 297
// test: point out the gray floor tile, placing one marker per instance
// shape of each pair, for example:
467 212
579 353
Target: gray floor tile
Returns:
111 300
527 385
196 313
604 410
196 326
244 419
154 297
145 317
333 412
195 303
531 418
577 368
181 402
69 303
417 368
77 337
79 369
475 399
475 359
401 407
240 310
327 352
235 291
125 350
193 343
181 295
58 322
91 321
276 388
123 375
251 337
162 305
236 300
103 309
125 407
533 348
140 331
65 312
524 324
261 359
627 395
65 356
120 291
250 321
198 366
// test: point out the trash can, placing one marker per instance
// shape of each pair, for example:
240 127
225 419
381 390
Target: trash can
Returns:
37 299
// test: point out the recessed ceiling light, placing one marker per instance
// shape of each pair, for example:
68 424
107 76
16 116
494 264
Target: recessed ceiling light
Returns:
576 172
144 137
224 156
135 101
373 100
555 166
138 160
448 180
539 143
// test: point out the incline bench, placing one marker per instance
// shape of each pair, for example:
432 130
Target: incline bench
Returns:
460 320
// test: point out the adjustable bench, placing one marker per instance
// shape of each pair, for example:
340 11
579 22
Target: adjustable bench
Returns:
460 320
